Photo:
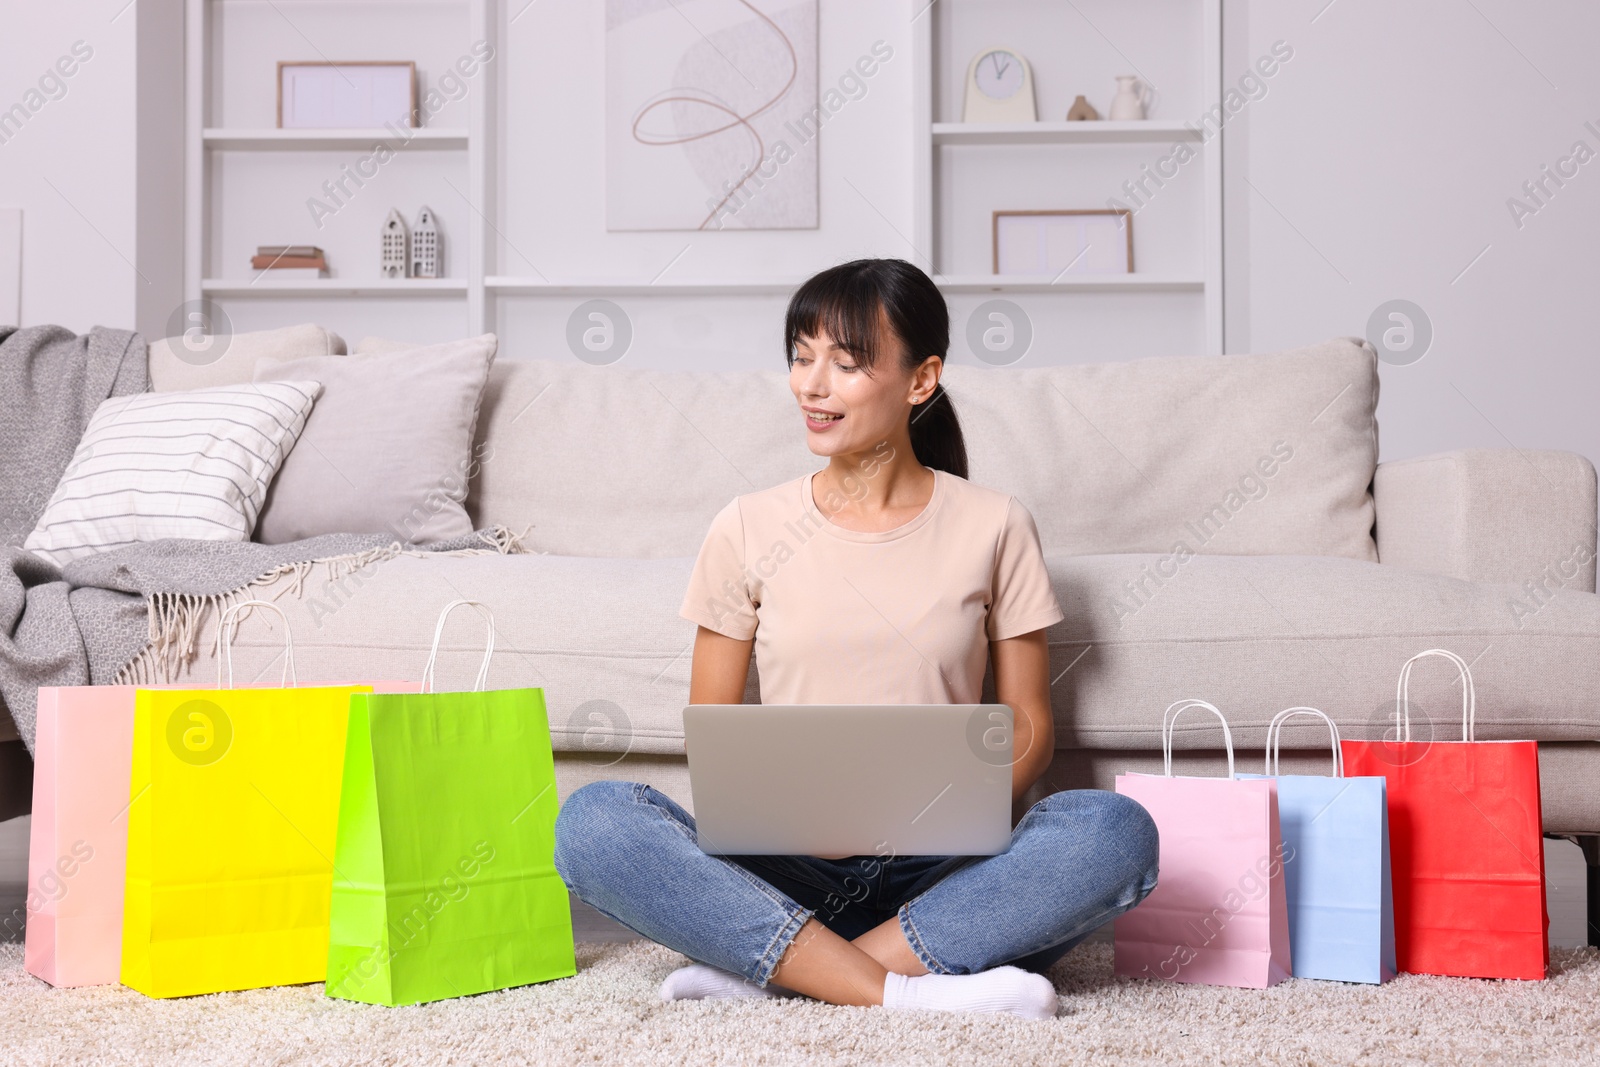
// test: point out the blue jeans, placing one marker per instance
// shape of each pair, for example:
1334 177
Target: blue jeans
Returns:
1077 860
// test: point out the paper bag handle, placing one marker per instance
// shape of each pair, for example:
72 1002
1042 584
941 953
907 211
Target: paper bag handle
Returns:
1469 696
482 680
230 618
1169 720
1275 736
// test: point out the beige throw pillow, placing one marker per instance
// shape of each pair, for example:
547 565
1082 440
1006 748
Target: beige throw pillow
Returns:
388 448
382 346
200 361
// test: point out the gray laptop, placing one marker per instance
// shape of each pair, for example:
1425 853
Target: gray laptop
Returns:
851 779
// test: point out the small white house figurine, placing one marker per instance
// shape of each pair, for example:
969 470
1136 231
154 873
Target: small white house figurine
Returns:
427 246
396 246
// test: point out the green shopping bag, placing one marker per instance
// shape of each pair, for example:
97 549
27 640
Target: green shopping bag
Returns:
444 882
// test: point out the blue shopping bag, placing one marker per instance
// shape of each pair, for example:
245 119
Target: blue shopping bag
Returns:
1336 867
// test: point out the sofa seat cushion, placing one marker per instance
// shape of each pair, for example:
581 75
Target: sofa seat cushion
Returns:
1255 635
1252 635
601 637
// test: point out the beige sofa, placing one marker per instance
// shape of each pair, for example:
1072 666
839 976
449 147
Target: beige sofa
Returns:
1216 527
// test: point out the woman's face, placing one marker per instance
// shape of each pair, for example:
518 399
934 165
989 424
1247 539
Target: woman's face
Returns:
843 409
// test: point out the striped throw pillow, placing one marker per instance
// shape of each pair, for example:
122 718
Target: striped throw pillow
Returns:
192 464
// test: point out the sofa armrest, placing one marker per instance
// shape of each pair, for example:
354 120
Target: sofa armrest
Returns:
1490 515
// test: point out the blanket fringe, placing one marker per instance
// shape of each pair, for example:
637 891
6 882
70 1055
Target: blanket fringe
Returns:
177 619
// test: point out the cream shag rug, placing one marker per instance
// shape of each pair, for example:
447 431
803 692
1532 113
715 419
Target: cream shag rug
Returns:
609 1014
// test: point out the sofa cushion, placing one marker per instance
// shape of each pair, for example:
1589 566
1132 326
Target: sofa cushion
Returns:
595 634
1252 635
382 346
388 448
1223 454
1248 455
231 360
611 461
1256 635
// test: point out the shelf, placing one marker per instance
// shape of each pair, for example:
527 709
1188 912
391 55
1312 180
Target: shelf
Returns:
313 140
1147 131
514 285
953 283
334 287
1074 283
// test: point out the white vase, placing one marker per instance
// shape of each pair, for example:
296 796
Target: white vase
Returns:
1129 103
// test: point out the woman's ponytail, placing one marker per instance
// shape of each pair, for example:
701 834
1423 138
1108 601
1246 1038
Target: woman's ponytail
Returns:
936 436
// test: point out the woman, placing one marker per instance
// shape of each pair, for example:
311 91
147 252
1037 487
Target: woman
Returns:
883 578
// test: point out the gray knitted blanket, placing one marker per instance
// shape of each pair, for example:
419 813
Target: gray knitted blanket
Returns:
131 614
51 381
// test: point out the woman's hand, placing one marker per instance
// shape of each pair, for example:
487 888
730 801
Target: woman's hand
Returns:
1022 682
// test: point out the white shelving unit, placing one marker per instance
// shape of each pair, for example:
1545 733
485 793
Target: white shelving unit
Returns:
1150 131
265 285
1077 283
248 181
327 154
964 171
310 140
963 283
515 286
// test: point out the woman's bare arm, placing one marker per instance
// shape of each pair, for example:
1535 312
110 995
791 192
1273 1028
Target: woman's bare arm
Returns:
1022 682
720 666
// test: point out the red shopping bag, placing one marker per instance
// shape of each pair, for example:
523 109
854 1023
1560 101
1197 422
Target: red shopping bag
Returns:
1467 844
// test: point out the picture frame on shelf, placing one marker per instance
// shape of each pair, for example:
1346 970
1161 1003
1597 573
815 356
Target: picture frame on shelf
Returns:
1059 242
362 94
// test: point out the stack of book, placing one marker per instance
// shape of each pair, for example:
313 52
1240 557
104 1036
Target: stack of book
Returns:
291 261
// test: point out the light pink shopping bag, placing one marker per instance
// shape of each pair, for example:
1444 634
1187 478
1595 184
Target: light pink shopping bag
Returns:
1219 913
78 846
77 851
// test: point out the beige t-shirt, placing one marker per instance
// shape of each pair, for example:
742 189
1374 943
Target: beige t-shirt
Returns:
902 616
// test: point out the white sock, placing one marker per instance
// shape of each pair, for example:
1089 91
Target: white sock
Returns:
1001 989
700 982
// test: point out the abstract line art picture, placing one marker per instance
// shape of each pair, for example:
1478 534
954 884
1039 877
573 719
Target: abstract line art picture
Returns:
711 114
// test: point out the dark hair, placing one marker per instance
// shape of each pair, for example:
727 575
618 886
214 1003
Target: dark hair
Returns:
850 302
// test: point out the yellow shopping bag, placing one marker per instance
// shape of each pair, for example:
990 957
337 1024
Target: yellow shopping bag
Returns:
234 808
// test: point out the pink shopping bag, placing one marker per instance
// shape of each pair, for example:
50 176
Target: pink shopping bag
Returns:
77 849
1219 913
78 845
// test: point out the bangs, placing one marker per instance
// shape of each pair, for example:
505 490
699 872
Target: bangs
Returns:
845 306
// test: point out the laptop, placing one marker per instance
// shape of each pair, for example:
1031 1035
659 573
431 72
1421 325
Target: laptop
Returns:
851 779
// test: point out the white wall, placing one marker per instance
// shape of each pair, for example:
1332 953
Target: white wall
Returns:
551 218
1379 166
158 164
92 253
71 165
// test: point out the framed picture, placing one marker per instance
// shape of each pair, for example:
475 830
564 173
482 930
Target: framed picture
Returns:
1056 243
712 114
359 95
